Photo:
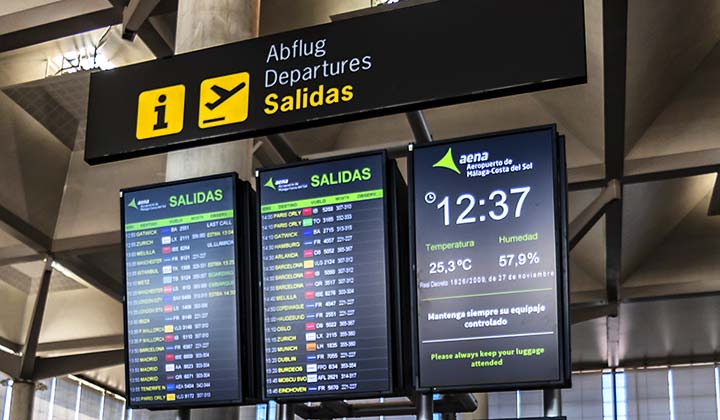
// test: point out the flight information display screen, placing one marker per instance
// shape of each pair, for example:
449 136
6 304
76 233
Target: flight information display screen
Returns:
181 309
489 272
325 279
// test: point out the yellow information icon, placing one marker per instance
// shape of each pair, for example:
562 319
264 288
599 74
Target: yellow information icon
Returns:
160 112
224 100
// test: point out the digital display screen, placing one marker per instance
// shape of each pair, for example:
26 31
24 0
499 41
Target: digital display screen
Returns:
182 305
325 281
486 253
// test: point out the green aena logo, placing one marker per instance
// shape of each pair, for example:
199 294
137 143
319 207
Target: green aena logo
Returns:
447 162
133 204
270 184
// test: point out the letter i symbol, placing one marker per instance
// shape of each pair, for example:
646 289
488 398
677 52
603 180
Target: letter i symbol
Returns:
160 122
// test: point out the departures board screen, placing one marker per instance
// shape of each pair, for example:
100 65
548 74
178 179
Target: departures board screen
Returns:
325 279
181 308
488 229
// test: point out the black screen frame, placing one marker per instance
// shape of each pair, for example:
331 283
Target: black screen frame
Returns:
562 258
389 292
242 386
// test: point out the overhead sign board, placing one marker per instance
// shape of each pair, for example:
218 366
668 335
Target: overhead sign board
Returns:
183 307
433 54
490 262
326 280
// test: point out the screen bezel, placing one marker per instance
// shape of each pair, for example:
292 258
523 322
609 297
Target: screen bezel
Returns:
239 310
561 251
388 289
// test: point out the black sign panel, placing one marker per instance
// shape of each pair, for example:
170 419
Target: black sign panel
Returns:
325 280
182 314
490 258
434 54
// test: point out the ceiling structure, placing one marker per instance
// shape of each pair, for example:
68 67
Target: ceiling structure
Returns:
647 268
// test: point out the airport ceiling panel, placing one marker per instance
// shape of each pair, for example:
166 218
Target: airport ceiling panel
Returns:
587 259
33 167
34 13
9 7
67 314
91 202
687 261
57 103
24 277
675 330
652 210
690 122
667 41
113 378
13 313
589 344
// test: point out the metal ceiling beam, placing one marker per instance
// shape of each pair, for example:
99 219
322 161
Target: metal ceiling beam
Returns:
66 365
714 208
92 275
282 146
615 24
154 41
135 15
582 313
10 259
593 212
24 231
419 127
60 29
9 364
73 346
84 23
29 350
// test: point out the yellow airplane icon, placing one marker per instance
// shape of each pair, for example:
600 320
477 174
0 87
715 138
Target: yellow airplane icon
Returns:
224 100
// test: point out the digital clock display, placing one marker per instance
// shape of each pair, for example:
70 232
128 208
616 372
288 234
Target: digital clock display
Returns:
488 213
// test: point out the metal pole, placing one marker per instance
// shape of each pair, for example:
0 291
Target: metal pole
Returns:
286 412
183 414
552 403
419 127
424 407
29 351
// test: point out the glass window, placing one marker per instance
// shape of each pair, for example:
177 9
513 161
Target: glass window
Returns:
66 393
5 396
502 405
584 400
647 394
153 415
42 400
694 393
90 403
114 408
531 404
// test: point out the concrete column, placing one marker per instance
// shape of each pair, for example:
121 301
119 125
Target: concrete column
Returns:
482 409
204 24
23 394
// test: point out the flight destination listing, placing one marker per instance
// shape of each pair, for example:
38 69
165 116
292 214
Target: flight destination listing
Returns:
182 321
324 279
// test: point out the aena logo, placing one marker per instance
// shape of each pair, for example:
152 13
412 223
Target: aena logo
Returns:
447 162
270 184
133 204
